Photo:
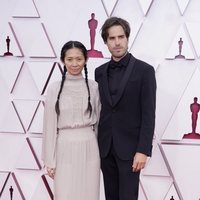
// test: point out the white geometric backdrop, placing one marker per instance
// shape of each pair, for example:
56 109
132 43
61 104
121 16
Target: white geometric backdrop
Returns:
37 30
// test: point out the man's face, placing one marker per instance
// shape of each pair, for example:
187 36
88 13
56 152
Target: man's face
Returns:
117 42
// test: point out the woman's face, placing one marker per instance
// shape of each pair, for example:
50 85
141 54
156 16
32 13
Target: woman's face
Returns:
74 61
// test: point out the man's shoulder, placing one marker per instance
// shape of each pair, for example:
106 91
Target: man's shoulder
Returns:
142 65
99 71
101 67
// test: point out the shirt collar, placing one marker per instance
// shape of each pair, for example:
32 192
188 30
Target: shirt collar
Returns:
123 62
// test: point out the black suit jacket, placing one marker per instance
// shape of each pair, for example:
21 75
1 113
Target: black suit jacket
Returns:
128 121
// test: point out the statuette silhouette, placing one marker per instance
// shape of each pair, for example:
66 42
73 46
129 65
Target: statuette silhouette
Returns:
92 24
11 192
8 53
172 198
194 108
180 46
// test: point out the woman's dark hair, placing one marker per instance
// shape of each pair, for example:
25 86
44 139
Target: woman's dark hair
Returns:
65 48
114 21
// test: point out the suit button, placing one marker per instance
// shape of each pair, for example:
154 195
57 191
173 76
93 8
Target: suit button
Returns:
113 110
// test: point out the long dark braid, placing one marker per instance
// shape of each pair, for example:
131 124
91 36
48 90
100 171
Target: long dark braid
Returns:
57 107
65 48
86 81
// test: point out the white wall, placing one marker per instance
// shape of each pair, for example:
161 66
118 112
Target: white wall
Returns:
39 28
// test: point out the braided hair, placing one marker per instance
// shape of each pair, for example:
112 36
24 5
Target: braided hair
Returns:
86 81
57 107
65 48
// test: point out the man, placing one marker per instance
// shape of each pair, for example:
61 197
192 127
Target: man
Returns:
127 89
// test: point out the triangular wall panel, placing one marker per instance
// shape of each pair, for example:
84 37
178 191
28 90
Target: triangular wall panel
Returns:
54 75
173 78
181 122
28 158
36 125
188 178
25 87
43 47
185 49
28 180
142 195
26 111
194 35
11 121
44 190
36 143
16 193
10 70
40 46
182 4
109 6
145 5
172 194
9 42
30 11
3 180
152 168
48 72
150 184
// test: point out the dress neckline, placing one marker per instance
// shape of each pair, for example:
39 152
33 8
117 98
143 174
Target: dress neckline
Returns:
74 77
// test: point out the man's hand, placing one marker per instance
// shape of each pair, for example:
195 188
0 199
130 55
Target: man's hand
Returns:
139 162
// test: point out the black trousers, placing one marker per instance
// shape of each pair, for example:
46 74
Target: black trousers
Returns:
120 182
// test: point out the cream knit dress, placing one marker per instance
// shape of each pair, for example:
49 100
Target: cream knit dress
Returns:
73 151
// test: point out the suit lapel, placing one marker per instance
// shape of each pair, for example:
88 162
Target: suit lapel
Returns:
124 80
105 84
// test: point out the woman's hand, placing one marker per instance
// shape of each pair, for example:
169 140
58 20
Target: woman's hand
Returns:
51 172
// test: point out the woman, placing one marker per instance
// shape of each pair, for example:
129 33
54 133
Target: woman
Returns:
70 150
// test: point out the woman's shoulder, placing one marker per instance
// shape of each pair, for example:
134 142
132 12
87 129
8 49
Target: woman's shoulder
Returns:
93 83
53 86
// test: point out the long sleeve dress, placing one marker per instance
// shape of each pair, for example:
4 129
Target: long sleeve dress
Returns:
70 140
